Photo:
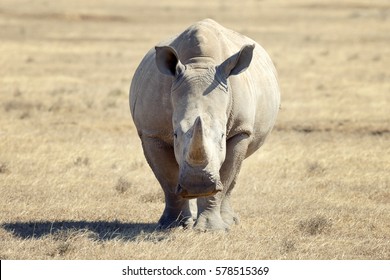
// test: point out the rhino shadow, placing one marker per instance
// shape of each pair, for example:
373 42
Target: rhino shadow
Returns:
98 230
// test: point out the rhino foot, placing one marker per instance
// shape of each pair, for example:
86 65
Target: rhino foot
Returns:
230 217
228 214
167 222
210 222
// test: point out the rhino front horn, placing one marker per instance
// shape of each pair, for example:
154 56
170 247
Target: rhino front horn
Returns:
197 154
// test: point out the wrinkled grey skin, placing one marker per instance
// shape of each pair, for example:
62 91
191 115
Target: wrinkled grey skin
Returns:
202 102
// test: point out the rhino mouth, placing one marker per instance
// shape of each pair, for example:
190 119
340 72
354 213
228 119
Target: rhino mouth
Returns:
184 193
191 196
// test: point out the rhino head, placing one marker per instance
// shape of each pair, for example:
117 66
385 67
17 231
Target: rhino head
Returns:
201 105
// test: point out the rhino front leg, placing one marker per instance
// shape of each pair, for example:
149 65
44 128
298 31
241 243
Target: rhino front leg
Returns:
176 213
236 150
229 216
215 212
161 159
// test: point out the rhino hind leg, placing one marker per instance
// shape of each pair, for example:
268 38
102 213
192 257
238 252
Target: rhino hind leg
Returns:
161 159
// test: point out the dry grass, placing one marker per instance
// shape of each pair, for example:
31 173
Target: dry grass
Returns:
73 180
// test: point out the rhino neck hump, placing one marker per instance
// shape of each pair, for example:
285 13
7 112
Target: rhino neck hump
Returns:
198 43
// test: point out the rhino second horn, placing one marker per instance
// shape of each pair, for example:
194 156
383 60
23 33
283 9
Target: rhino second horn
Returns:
197 152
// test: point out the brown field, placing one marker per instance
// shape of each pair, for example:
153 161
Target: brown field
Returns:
73 180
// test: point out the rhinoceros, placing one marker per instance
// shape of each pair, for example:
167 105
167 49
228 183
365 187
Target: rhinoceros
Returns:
202 102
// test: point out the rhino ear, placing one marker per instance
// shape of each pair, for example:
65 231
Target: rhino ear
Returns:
238 62
168 62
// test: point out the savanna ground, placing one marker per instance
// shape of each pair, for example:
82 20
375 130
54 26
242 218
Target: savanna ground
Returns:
73 180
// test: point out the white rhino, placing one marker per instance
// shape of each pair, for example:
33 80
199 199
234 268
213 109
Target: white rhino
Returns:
202 102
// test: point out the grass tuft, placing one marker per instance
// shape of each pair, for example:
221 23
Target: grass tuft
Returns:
314 226
287 246
3 168
123 185
81 161
314 168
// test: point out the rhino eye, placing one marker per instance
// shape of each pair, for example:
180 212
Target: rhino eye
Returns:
175 134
